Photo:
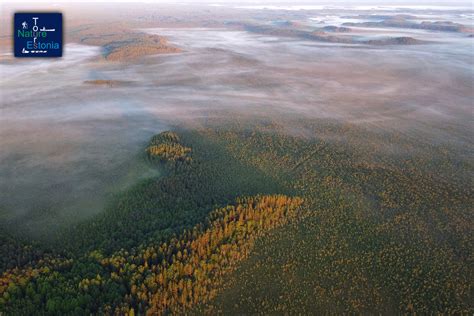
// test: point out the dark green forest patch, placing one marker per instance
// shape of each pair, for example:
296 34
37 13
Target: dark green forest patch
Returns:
47 278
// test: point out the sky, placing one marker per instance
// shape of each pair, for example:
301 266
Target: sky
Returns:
260 2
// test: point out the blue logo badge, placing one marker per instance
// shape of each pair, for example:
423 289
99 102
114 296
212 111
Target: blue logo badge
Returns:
38 34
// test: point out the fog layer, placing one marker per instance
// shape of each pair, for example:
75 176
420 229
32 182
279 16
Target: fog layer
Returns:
66 145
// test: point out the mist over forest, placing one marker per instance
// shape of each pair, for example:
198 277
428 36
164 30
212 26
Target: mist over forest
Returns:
390 81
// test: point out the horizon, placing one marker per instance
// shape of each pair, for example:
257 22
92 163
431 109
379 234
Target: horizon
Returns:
264 2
